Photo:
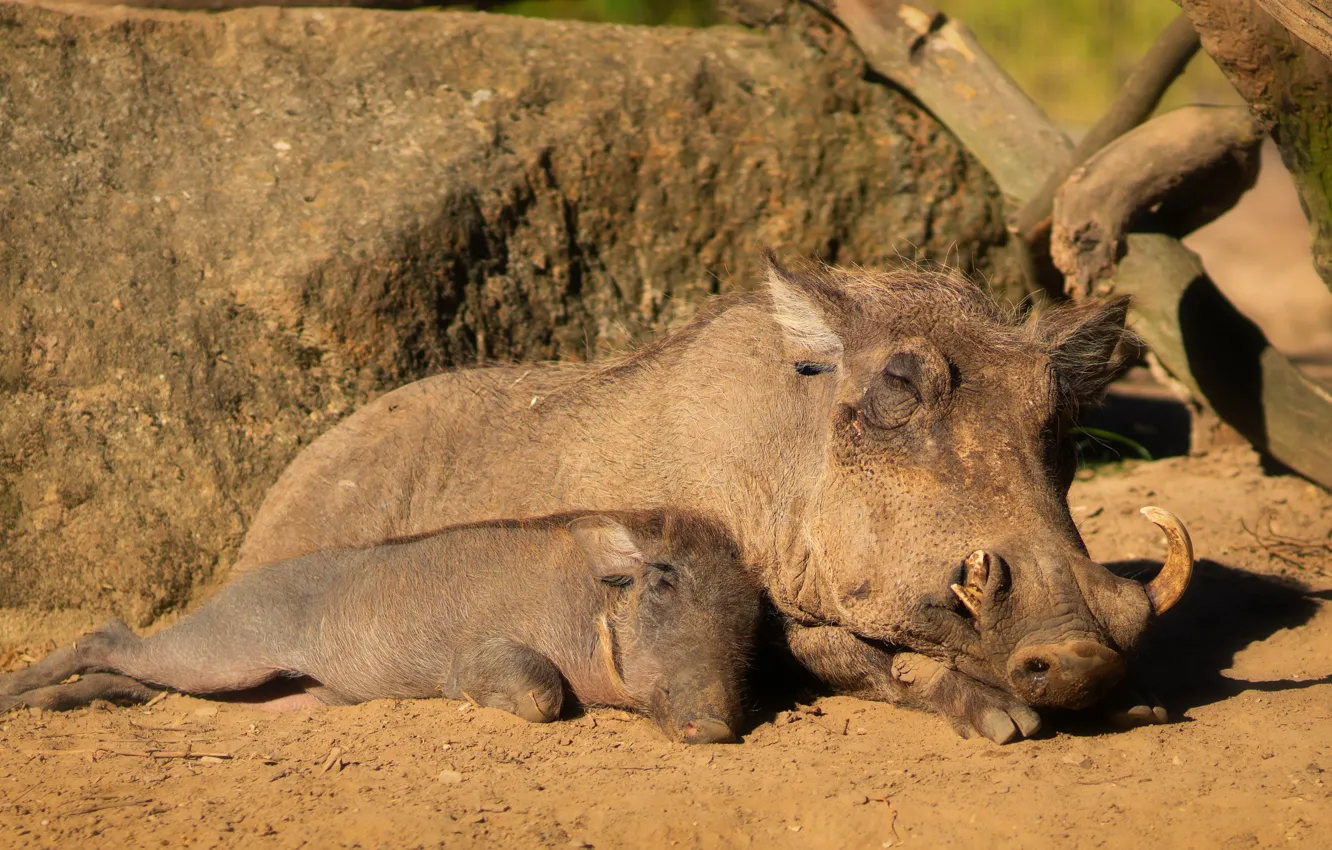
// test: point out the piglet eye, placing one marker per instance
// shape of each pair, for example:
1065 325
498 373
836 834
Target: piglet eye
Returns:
618 581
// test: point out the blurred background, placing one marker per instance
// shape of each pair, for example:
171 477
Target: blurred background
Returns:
1072 56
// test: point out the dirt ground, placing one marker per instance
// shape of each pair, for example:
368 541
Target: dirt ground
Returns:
1244 664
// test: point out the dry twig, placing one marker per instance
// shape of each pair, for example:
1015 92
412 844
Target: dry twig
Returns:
120 804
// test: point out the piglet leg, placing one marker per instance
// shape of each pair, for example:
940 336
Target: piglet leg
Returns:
499 673
121 690
196 656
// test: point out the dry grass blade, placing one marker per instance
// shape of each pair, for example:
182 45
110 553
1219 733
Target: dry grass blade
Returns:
155 700
334 756
119 804
1293 551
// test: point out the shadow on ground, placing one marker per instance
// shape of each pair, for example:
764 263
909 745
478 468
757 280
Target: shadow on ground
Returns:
1183 657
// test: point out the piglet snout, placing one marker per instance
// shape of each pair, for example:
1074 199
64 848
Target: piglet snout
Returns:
707 730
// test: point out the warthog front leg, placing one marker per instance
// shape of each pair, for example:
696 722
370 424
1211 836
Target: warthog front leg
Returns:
506 675
858 668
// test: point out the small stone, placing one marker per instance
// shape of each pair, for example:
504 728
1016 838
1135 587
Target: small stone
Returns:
578 843
1313 768
1078 759
450 777
210 760
206 711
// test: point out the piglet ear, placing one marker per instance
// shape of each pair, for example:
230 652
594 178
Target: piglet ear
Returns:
612 555
1087 346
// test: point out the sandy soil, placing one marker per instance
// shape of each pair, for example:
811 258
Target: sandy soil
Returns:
1245 663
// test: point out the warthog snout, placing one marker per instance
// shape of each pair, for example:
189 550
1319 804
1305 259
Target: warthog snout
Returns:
1073 674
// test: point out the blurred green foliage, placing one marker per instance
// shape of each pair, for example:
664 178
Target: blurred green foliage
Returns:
1070 55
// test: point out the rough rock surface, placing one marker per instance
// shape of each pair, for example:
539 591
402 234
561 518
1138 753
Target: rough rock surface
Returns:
220 233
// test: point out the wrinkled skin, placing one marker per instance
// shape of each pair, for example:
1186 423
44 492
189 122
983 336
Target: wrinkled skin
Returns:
644 610
860 434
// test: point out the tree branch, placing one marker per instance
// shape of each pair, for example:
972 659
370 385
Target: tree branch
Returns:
1288 84
1211 148
938 60
1311 20
1136 101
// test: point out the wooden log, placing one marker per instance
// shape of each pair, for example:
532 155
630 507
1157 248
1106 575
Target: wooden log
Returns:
939 61
1285 402
1171 156
1311 20
1220 355
1288 83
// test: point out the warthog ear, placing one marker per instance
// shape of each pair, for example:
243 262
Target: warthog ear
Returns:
1085 345
612 555
801 304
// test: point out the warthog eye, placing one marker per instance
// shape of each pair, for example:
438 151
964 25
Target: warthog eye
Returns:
618 581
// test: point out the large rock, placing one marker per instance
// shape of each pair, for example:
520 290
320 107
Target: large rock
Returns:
220 233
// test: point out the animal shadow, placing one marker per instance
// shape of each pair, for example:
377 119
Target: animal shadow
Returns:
1182 656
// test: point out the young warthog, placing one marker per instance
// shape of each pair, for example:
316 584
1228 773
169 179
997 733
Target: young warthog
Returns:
890 450
647 610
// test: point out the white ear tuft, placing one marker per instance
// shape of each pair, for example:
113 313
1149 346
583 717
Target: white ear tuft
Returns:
800 317
609 547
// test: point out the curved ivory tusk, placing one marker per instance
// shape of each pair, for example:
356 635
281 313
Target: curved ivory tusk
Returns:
1168 586
968 597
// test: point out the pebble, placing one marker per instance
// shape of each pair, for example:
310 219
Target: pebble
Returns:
450 777
206 711
1078 759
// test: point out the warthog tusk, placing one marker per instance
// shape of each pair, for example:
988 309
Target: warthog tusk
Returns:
1168 586
970 598
977 573
606 643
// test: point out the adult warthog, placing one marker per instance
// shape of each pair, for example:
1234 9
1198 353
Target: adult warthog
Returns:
889 449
